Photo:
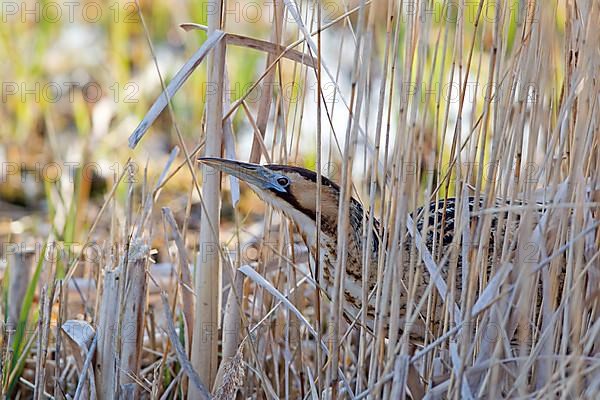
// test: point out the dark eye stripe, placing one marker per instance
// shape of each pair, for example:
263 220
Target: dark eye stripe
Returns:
308 174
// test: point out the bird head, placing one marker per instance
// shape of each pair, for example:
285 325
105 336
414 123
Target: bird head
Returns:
290 189
293 191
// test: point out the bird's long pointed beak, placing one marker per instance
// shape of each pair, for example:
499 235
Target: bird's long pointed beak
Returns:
249 173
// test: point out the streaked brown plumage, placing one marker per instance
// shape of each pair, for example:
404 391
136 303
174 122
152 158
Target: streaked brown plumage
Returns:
292 190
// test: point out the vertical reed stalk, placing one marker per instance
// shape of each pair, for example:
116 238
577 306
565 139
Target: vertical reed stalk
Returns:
133 315
207 280
108 318
21 264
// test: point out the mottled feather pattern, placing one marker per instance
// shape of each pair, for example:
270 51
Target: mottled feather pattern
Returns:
441 218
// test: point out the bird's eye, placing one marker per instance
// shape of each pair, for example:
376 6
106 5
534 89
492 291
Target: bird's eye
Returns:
283 181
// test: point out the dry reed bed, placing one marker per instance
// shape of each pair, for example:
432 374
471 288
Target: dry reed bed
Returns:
529 138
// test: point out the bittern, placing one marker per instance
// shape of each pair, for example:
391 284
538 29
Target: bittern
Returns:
292 190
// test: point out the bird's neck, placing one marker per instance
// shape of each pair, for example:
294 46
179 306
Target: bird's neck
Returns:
356 235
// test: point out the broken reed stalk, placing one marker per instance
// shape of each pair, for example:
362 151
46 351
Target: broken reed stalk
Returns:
79 336
106 357
120 326
19 276
132 318
207 278
43 340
